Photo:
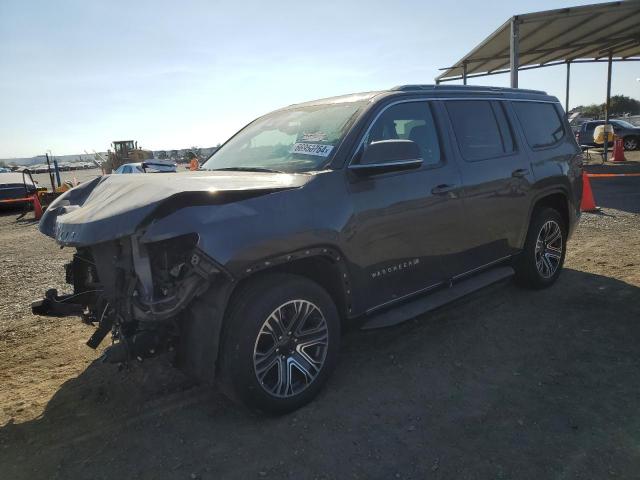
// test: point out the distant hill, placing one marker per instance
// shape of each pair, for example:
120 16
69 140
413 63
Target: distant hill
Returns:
83 157
42 159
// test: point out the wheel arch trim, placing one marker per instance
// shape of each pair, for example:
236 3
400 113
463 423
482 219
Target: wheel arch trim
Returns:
284 261
535 201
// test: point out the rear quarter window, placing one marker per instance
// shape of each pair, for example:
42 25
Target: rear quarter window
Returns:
540 122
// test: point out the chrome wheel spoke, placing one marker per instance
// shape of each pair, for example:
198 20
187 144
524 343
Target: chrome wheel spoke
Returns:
553 234
283 386
554 249
547 264
274 325
302 311
553 253
264 363
313 337
305 365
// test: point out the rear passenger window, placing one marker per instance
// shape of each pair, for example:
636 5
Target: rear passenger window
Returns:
541 123
481 129
408 121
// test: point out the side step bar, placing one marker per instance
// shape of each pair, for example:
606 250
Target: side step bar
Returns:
413 308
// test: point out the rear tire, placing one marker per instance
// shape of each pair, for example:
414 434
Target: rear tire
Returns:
540 262
630 143
281 343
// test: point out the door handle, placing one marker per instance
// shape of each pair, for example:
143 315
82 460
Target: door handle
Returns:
443 189
521 172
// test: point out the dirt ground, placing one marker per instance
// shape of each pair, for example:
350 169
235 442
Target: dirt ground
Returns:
507 383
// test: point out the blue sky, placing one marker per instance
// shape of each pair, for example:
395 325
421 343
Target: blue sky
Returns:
75 75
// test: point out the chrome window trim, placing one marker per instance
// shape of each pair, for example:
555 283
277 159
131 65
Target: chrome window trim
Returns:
433 99
359 166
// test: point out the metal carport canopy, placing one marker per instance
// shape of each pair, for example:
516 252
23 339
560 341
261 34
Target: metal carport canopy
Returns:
578 34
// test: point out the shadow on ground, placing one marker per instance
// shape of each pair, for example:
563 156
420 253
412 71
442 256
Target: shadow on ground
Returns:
508 383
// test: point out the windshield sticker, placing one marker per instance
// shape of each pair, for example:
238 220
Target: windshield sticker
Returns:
314 136
312 149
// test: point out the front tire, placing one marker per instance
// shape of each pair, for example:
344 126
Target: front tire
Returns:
281 343
540 262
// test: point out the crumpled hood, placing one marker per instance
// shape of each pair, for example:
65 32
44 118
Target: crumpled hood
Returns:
113 206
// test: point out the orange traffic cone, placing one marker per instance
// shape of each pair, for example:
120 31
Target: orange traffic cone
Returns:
37 208
618 151
588 203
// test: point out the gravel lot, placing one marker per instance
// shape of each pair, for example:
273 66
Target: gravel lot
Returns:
507 383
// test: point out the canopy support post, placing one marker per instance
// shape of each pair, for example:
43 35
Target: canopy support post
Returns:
566 97
464 73
606 107
514 51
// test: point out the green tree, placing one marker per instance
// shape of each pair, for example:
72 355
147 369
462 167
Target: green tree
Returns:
621 104
593 110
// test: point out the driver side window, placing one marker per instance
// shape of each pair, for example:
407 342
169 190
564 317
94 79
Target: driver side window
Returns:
408 121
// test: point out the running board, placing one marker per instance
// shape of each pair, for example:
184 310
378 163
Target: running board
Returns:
413 308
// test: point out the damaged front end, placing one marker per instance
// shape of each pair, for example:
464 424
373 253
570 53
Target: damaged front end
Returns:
144 257
134 290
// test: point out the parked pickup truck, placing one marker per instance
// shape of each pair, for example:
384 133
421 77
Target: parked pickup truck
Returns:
630 133
365 209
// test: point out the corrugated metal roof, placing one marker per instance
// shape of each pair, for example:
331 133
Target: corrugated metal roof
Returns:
567 34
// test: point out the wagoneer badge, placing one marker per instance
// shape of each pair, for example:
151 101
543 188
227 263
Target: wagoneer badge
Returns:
395 268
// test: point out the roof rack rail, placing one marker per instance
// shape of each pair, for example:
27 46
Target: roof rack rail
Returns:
409 88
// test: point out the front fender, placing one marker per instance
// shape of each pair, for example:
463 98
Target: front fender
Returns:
241 234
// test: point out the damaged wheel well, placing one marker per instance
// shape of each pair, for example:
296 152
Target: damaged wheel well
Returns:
326 271
203 324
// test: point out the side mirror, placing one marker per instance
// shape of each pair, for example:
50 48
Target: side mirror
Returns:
388 156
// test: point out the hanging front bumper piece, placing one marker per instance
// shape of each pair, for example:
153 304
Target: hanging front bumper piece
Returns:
136 291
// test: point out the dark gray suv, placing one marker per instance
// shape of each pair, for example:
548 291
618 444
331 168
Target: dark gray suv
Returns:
365 209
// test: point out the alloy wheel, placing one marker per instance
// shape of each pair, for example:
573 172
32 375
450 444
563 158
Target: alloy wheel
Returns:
291 348
548 251
630 143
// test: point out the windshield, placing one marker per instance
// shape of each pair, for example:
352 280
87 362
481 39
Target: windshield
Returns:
623 124
298 139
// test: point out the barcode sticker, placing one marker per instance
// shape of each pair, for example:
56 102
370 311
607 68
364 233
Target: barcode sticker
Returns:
312 149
